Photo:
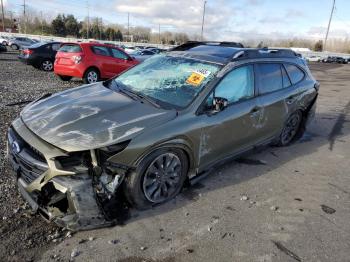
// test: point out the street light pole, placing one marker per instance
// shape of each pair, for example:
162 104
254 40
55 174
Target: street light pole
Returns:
3 16
205 2
329 25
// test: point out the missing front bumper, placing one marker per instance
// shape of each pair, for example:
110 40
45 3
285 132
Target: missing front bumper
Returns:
69 202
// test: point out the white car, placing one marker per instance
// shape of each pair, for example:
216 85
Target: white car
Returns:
4 41
313 59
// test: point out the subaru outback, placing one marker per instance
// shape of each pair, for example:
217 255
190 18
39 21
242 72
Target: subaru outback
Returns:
164 123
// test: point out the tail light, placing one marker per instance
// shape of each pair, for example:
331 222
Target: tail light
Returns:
77 58
28 52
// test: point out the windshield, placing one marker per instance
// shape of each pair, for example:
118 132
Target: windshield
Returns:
173 80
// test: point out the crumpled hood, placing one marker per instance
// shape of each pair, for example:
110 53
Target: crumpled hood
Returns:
90 117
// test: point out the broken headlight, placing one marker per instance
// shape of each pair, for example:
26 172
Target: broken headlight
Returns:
78 162
112 174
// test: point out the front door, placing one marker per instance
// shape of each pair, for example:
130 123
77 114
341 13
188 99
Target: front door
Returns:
121 61
234 128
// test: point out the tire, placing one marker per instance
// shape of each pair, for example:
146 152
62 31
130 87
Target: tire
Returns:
139 185
4 43
65 78
91 75
291 129
14 47
46 65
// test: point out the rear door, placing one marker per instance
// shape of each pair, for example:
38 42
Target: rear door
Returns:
121 61
276 95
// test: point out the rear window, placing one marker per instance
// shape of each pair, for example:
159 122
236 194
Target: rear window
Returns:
70 48
295 74
270 78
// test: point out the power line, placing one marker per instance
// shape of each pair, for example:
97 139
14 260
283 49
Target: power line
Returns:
329 25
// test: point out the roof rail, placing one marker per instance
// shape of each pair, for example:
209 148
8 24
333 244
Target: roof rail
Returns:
264 53
191 44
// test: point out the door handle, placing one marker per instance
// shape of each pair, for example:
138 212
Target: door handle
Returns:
256 110
290 100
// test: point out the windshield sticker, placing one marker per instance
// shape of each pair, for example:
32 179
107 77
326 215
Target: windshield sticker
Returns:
195 79
203 72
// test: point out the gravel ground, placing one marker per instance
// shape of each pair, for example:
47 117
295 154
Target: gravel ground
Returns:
278 204
23 236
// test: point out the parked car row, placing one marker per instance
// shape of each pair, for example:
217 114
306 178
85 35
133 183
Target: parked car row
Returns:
336 59
328 59
91 62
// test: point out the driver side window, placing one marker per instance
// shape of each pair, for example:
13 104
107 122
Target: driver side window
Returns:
237 85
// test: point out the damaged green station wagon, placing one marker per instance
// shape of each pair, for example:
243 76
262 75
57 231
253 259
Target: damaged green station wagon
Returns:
146 132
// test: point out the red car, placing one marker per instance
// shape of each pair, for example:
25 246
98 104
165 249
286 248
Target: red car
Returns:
91 61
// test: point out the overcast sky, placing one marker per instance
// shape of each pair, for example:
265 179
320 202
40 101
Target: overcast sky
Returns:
225 19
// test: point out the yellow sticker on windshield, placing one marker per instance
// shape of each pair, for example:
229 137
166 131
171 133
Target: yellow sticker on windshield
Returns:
195 79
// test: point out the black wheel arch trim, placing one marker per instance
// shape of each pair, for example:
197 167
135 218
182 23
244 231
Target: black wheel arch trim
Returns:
178 143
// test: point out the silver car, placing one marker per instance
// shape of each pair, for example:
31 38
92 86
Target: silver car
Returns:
17 43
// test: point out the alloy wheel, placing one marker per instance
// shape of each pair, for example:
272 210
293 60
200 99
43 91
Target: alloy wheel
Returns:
47 65
92 77
291 128
162 178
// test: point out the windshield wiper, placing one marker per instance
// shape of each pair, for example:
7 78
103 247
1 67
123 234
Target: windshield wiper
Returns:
131 93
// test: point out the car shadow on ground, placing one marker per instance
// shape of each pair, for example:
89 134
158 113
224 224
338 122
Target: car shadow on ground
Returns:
326 130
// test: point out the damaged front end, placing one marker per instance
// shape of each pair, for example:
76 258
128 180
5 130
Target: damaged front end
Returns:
77 190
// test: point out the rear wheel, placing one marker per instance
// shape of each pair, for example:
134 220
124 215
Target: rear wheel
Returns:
65 78
91 76
157 179
14 47
291 128
47 65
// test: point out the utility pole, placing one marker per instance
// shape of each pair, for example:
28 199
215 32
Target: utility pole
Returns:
24 16
88 19
42 26
3 16
205 2
100 29
329 25
159 34
128 28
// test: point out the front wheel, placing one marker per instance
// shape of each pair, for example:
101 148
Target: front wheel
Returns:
158 178
65 78
91 76
290 129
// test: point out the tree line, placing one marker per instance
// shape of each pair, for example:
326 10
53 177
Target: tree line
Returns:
67 25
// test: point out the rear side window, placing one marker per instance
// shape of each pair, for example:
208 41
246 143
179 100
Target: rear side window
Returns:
55 47
285 78
118 54
270 77
295 74
100 50
70 48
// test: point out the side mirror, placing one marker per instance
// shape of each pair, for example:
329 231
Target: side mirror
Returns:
219 103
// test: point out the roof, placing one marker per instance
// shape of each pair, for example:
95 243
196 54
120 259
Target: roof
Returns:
225 52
